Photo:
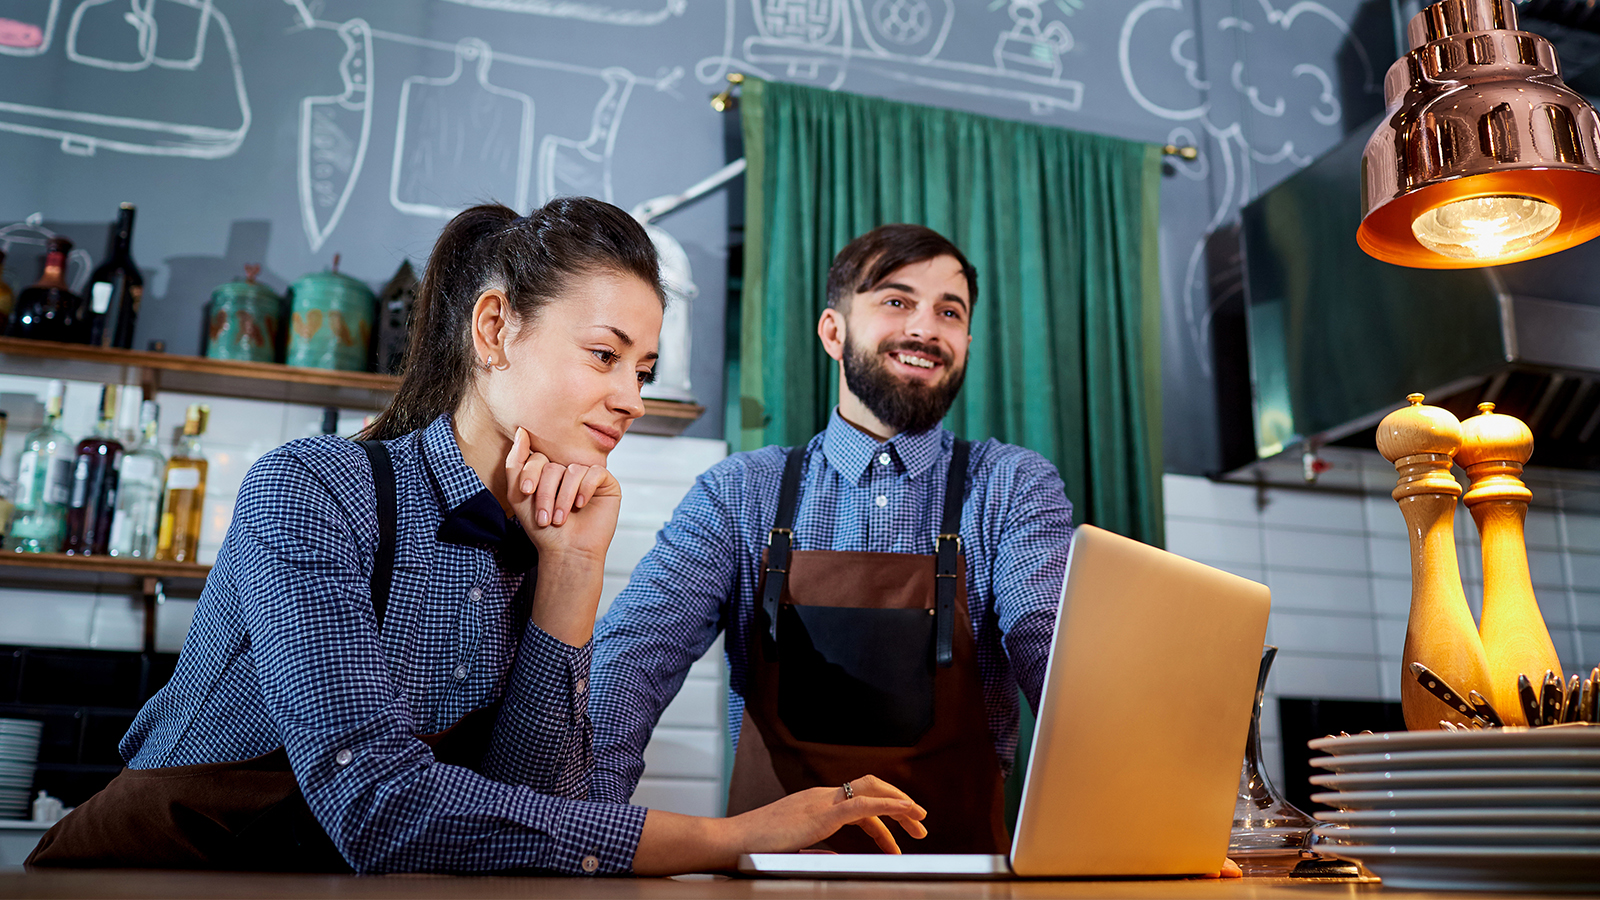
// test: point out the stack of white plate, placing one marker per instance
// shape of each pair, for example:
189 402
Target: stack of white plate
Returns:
1506 809
19 751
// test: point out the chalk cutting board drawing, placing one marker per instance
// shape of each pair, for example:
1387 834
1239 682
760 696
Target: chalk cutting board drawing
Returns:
460 140
828 42
334 133
627 12
203 72
27 27
569 167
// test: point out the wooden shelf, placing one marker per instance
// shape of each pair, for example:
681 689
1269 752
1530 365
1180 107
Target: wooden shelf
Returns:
250 380
106 565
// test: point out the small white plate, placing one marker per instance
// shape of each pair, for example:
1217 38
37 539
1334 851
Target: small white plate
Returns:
1460 778
1568 870
1461 759
1515 737
1461 835
1501 816
1587 798
32 726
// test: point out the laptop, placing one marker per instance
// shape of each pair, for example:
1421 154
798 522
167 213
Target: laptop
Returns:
1141 729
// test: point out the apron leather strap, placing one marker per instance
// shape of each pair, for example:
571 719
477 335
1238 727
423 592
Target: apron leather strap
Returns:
780 540
947 546
383 560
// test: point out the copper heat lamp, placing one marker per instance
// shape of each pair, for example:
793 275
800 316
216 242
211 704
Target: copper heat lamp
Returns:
1485 156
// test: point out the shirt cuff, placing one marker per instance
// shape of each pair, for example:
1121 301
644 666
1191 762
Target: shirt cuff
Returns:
548 668
597 838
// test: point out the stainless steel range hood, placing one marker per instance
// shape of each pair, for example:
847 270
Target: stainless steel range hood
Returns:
1337 339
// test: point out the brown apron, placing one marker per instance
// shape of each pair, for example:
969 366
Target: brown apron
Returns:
248 815
864 664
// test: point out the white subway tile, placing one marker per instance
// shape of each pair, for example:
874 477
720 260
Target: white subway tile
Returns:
1383 517
1202 498
1583 531
1389 675
1309 509
645 457
1565 643
647 504
1391 597
172 623
1296 632
46 618
1391 637
1254 573
1389 556
1543 529
1348 594
689 796
710 664
1586 606
698 704
118 623
1585 570
610 586
684 753
628 546
1213 542
1295 675
1587 654
1546 569
1317 551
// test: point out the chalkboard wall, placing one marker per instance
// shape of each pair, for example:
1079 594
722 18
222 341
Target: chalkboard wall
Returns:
282 132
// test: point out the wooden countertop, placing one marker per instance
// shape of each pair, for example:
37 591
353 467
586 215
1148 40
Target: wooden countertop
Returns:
143 884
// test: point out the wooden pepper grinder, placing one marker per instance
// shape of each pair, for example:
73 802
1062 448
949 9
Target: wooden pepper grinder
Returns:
1440 634
1516 641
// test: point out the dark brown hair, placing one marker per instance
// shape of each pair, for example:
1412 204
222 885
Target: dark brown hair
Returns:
870 258
533 259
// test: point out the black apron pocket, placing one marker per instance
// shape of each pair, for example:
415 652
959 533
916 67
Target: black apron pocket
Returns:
862 677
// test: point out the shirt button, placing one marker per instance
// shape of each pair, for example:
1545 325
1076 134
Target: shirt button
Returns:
475 594
460 672
582 685
883 458
343 757
882 501
590 863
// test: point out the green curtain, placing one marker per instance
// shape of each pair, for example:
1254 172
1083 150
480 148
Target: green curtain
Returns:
1061 226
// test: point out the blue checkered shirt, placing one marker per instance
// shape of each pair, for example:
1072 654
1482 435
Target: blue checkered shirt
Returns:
285 651
858 494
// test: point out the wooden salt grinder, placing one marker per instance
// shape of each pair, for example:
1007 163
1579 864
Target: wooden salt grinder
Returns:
1494 448
1440 634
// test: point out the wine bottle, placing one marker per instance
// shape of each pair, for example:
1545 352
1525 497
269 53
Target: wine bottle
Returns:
185 492
7 299
44 482
138 518
48 311
94 483
115 289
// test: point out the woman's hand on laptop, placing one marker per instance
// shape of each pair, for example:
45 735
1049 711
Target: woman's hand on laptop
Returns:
673 844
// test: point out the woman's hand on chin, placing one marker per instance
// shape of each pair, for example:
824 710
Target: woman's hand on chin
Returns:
567 511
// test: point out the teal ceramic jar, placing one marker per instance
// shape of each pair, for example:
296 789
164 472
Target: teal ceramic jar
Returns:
243 322
330 322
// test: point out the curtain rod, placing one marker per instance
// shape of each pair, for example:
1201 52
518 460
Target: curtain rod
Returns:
724 100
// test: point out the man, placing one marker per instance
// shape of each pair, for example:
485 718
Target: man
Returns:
872 628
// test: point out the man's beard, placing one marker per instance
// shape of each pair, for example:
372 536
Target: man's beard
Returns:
897 402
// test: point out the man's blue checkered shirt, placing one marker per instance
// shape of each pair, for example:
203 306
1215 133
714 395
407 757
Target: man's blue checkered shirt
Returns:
858 494
285 652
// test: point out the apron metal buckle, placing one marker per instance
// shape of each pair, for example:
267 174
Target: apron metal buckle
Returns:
787 531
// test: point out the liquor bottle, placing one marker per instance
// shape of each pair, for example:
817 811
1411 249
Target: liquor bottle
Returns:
185 492
48 311
115 289
94 483
138 518
44 482
7 299
6 491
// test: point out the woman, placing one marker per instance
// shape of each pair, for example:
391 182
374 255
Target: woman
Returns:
388 672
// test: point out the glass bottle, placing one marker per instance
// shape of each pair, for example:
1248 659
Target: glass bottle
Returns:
44 482
115 289
185 492
94 483
138 517
1270 836
6 490
48 311
7 299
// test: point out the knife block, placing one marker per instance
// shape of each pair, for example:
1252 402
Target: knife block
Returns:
1421 441
1516 640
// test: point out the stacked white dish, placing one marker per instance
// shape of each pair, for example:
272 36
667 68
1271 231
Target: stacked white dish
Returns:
1504 809
19 752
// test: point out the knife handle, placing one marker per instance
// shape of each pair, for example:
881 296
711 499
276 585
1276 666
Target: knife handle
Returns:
1484 710
1574 699
1551 694
1530 702
1438 687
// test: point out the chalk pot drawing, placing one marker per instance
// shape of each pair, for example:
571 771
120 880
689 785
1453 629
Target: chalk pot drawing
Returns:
643 12
1229 146
461 138
825 41
334 133
27 26
165 44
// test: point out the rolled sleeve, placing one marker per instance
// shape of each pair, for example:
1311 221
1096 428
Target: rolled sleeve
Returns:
543 738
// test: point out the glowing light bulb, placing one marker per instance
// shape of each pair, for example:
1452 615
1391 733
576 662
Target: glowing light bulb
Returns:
1486 228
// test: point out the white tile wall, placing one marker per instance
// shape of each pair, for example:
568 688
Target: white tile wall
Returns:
684 763
1340 572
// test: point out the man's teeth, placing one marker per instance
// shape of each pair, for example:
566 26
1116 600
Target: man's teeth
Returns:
915 361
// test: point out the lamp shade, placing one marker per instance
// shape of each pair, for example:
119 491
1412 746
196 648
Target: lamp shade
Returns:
1484 156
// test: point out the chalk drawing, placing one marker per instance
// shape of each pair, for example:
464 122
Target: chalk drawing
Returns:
21 33
83 132
461 139
648 12
31 233
825 41
334 133
568 166
1226 137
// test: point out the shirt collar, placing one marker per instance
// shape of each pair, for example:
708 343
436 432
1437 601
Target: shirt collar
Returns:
454 480
850 450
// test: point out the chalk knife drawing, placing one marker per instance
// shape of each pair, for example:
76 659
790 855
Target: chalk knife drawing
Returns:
334 133
461 140
567 166
171 48
27 26
641 12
